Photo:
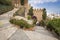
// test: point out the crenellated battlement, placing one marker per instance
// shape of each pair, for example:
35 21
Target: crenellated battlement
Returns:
38 13
37 10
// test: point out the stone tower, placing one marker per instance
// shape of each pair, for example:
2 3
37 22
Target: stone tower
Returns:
38 13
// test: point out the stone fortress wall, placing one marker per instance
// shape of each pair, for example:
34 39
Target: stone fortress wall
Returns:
38 13
17 4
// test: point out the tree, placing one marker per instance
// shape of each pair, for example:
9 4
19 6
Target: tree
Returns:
43 21
30 11
44 14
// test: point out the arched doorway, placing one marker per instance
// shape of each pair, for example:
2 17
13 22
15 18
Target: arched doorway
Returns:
17 3
22 2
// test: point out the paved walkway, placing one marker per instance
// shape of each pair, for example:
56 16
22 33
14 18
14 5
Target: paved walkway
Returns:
7 32
19 35
40 33
6 29
4 19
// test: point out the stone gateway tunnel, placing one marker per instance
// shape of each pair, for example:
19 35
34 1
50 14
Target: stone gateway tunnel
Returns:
18 3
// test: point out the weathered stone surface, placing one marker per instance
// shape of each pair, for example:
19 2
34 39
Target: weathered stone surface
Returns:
40 33
19 35
6 29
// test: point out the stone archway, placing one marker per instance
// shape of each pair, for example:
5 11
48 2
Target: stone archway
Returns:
22 2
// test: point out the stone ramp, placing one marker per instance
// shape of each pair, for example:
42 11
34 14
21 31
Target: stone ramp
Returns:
38 36
6 33
40 33
43 31
6 29
19 35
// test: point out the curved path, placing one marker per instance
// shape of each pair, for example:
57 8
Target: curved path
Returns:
7 29
40 33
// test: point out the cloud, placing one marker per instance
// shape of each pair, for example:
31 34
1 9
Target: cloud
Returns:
41 1
42 4
34 3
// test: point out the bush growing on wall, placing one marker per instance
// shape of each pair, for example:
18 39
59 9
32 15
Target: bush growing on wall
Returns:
29 17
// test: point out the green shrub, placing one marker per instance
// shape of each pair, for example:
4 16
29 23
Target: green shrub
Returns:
34 21
42 23
50 27
22 23
13 21
5 8
55 25
29 17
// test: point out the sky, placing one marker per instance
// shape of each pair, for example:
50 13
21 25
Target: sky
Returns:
52 6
